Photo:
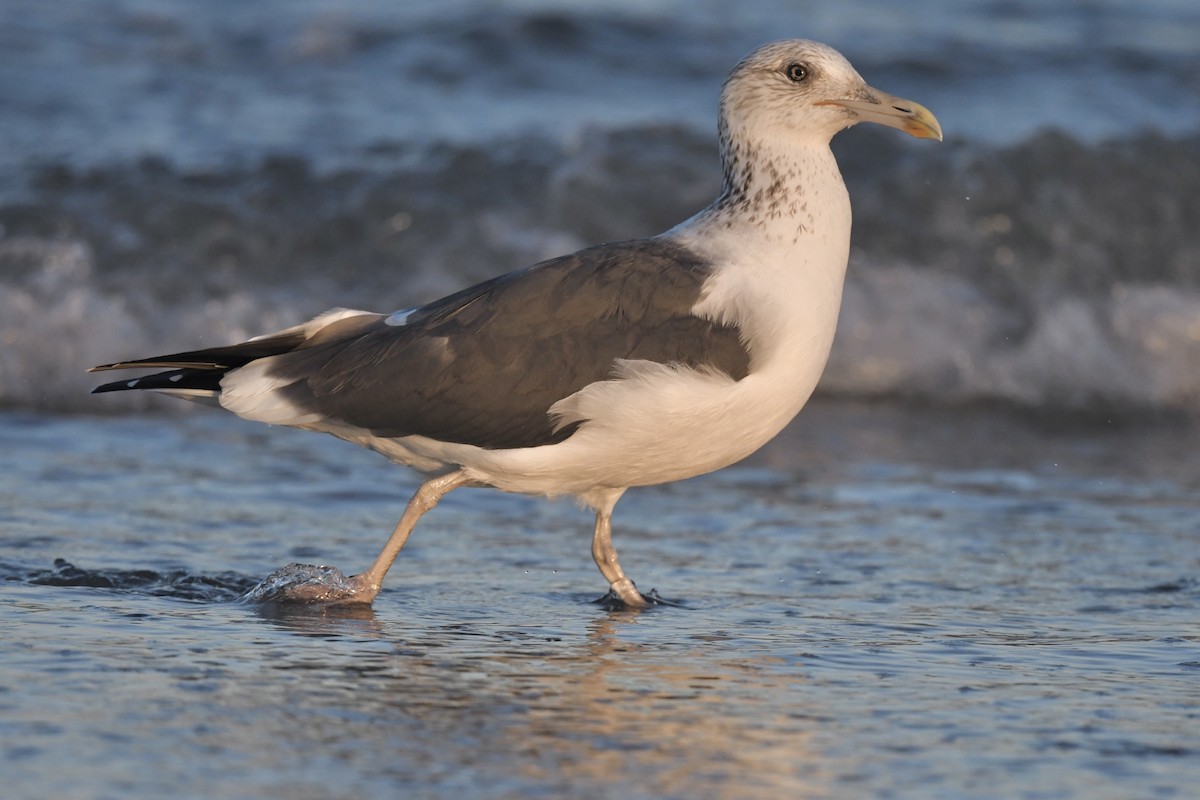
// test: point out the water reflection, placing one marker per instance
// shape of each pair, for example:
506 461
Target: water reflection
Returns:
875 608
598 709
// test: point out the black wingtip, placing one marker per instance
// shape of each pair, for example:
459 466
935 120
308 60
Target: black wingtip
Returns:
115 386
187 379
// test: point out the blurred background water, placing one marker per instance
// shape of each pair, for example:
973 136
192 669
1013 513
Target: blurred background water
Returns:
176 172
970 571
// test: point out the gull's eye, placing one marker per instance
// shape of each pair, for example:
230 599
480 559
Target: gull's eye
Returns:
796 72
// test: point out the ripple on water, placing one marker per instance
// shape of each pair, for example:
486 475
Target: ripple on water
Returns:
879 626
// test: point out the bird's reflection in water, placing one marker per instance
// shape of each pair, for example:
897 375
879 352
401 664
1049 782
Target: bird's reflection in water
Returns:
679 718
601 705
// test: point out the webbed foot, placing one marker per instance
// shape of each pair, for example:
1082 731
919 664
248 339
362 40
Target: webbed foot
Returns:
624 596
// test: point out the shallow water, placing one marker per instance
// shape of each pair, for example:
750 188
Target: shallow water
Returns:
885 602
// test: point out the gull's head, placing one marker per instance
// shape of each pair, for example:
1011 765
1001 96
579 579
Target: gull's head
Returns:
799 89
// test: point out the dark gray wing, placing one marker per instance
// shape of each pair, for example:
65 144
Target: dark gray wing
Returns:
484 365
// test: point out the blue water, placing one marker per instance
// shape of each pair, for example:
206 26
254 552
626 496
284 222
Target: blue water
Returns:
972 570
884 603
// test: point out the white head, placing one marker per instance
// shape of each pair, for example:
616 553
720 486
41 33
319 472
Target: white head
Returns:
802 90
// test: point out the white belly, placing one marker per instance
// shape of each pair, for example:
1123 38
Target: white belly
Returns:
653 424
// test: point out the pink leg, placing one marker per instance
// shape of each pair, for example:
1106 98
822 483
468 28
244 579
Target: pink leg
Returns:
367 584
605 555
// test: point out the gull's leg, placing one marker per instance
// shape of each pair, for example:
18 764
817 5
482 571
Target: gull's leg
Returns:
605 554
367 584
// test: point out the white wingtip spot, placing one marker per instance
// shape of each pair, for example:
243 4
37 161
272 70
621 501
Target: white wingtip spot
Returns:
132 384
176 378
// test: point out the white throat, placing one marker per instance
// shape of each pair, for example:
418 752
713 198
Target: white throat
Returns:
781 232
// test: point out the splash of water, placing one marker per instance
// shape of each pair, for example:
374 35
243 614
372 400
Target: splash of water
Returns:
303 583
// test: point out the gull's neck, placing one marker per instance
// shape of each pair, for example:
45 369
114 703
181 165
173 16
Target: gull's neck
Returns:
778 236
777 193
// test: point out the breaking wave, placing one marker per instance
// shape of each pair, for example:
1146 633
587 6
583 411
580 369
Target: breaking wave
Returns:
1053 273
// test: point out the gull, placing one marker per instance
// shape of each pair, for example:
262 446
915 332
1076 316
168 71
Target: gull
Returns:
625 364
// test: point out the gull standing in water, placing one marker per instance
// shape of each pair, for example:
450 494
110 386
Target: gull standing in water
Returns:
626 364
